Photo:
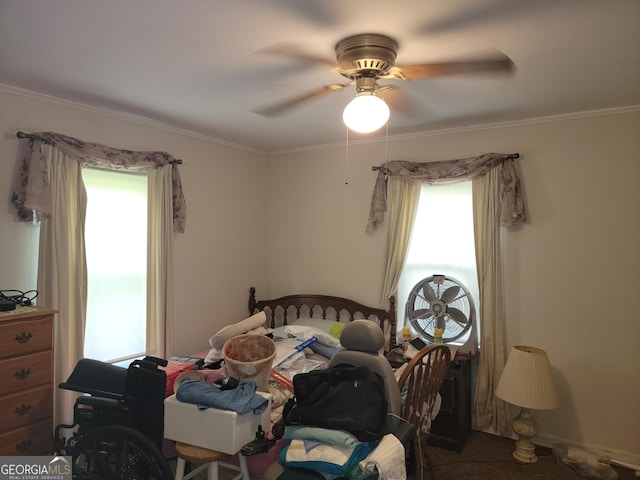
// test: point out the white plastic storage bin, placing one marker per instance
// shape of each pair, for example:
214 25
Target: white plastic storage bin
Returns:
221 430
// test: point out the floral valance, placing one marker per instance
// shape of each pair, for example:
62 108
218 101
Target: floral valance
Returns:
33 175
451 171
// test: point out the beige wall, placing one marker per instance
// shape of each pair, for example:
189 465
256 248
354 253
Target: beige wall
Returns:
289 224
217 259
572 274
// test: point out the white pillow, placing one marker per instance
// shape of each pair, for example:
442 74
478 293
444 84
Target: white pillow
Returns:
330 326
254 321
213 356
304 333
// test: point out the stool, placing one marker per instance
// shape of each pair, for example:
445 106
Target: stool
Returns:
205 458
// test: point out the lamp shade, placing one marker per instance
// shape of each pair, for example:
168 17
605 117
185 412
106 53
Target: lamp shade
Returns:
526 380
366 113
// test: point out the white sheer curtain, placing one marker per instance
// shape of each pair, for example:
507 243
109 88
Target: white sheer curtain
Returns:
402 204
50 188
489 412
497 201
62 269
159 260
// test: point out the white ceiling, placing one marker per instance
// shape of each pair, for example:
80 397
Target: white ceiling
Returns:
196 64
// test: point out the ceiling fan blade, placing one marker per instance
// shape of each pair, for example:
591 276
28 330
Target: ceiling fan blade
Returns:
502 64
484 14
316 13
282 107
398 100
450 294
295 52
458 316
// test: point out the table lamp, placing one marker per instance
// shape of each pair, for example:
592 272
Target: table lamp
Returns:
526 382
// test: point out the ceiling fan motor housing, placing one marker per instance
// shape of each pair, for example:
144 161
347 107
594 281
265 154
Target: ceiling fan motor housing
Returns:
366 55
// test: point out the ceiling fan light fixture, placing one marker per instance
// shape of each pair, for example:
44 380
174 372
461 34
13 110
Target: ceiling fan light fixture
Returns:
366 113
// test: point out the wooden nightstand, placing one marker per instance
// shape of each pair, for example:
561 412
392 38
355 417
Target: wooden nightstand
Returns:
452 425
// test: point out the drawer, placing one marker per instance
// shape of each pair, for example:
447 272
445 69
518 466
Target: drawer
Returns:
28 371
27 407
35 439
25 336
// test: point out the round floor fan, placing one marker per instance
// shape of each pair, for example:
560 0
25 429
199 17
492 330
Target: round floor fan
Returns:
442 302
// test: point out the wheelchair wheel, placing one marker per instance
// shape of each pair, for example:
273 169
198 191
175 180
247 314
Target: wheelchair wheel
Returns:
116 452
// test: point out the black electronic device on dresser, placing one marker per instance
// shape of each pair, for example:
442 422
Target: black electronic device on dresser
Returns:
452 425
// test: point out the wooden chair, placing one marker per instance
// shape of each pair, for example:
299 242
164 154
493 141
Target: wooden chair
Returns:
422 378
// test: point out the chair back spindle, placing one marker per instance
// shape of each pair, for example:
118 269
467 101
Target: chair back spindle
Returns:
423 377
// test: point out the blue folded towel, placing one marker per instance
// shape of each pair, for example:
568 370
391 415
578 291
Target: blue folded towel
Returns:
242 399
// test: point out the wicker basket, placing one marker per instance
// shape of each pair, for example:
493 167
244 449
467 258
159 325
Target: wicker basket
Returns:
250 357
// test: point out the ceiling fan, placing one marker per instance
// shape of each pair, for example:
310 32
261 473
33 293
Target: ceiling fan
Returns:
366 58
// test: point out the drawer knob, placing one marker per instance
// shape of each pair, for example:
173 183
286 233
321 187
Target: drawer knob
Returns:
23 337
23 409
22 374
23 445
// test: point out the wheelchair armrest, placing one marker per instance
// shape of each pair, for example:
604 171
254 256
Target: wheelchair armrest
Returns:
405 432
162 362
100 402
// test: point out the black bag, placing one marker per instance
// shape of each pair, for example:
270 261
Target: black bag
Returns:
341 397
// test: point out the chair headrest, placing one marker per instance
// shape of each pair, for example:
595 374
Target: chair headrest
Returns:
362 335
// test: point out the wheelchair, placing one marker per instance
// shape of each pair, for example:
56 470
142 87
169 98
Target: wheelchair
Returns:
117 429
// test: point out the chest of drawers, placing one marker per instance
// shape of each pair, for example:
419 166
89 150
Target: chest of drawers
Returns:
26 381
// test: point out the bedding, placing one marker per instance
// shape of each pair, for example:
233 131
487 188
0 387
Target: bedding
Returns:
321 315
253 324
328 313
329 337
224 334
299 351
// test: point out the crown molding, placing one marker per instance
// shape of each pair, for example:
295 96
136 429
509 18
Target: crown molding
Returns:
119 115
398 137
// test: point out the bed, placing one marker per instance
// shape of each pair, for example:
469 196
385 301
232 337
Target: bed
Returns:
303 308
319 312
291 310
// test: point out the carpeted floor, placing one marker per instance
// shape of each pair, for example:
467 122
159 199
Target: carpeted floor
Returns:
488 457
484 457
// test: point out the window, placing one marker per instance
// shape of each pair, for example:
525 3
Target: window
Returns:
442 242
116 249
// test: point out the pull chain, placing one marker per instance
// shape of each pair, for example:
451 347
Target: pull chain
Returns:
346 165
386 144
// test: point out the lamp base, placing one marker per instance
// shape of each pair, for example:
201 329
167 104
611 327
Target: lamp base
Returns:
526 428
525 451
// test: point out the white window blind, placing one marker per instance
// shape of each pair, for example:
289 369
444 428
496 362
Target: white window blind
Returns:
441 242
116 248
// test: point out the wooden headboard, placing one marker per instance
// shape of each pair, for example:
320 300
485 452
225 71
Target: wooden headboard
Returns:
281 310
